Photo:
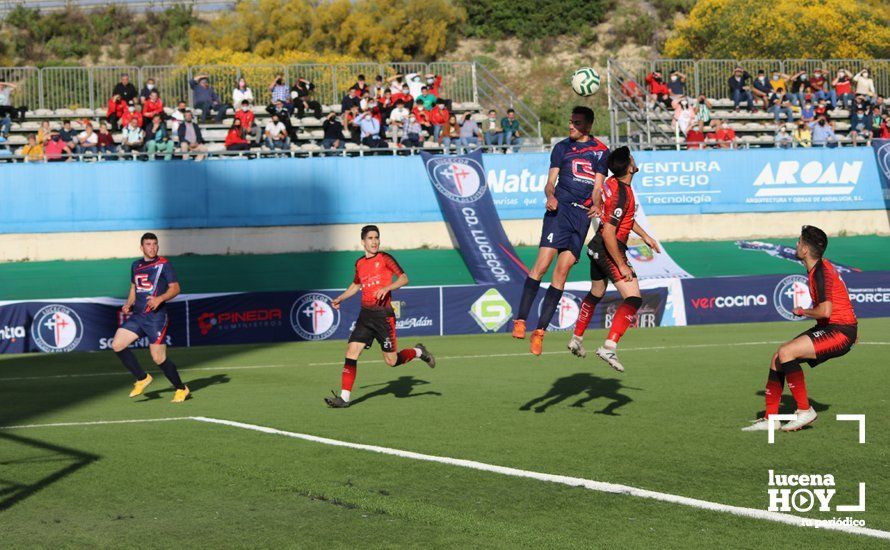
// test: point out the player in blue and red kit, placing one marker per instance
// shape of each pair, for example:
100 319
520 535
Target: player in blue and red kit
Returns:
152 284
374 273
577 171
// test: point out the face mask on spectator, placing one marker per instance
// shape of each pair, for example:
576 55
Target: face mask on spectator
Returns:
56 138
684 103
776 76
761 78
412 119
803 76
150 87
132 109
673 78
245 108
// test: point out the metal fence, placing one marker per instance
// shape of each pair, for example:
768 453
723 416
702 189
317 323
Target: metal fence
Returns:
90 87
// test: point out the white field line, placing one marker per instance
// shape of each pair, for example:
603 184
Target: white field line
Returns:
438 358
599 486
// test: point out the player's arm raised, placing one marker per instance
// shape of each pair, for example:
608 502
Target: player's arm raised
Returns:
173 291
397 284
822 311
647 238
131 299
550 189
347 294
611 242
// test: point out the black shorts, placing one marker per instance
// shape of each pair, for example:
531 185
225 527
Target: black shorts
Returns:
602 264
377 325
830 341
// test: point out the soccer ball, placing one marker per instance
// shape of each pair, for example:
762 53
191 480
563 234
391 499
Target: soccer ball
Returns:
586 81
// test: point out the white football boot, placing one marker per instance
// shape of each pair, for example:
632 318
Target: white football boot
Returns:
804 418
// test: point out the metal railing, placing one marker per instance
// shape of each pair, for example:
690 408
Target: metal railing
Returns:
493 94
136 5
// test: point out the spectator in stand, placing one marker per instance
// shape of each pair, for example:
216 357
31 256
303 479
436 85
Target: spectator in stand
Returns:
762 90
780 80
404 96
695 138
861 125
470 133
235 137
823 134
242 93
865 86
396 83
352 98
450 133
178 117
398 118
151 107
876 121
841 89
423 117
677 86
684 116
803 136
302 96
44 132
799 84
739 90
132 114
280 92
782 138
494 134
379 87
333 132
360 85
807 113
207 99
884 129
147 89
427 99
283 113
133 137
415 83
821 109
5 126
87 141
385 104
350 124
7 109
370 130
819 84
33 151
248 122
276 134
659 93
631 90
56 150
366 101
190 138
69 135
724 135
106 145
412 135
157 140
434 84
125 89
117 107
703 109
438 117
512 131
780 105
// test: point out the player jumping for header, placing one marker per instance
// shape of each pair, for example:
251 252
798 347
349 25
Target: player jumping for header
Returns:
152 284
608 259
834 334
577 171
374 273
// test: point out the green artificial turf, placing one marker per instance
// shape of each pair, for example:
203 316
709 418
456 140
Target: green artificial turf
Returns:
670 423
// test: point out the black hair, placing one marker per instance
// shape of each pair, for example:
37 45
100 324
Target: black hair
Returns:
814 238
147 237
361 77
511 111
367 229
586 112
619 161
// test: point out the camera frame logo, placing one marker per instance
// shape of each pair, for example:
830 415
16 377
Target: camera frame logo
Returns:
491 311
57 329
313 317
793 291
459 179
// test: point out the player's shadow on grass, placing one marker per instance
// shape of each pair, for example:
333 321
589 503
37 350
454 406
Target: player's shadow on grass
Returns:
789 405
588 387
399 388
41 465
194 385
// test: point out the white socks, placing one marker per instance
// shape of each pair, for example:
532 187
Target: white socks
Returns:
344 395
610 345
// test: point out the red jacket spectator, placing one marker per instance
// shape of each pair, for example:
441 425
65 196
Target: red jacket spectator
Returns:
695 139
405 98
423 116
116 107
436 84
246 117
725 135
657 87
152 107
234 136
125 118
883 132
439 116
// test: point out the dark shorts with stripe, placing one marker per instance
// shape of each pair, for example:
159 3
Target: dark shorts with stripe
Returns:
153 325
565 229
377 325
830 341
602 264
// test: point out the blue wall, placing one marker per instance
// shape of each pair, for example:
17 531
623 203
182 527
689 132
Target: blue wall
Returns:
228 193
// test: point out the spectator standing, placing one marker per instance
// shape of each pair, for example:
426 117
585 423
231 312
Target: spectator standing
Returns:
803 136
659 93
333 132
56 150
438 117
248 122
105 142
512 131
677 86
235 137
157 140
739 90
823 134
7 108
33 151
87 141
450 133
134 137
841 89
190 138
280 92
242 93
125 89
470 133
861 125
762 89
494 134
207 99
865 86
780 105
302 96
276 134
415 83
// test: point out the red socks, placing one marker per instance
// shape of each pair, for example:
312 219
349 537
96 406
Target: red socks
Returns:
406 355
586 313
348 378
796 384
624 317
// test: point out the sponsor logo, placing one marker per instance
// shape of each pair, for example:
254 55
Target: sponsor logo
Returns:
883 157
457 178
793 291
313 317
640 253
583 170
403 323
646 316
233 320
525 182
11 333
144 342
870 295
720 302
56 328
566 312
491 311
790 178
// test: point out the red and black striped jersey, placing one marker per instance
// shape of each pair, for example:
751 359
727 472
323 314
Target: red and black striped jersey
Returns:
827 286
374 273
619 208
